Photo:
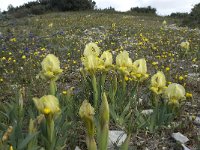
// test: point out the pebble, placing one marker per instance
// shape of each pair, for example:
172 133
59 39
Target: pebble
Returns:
77 148
184 147
147 112
197 120
116 137
180 137
194 76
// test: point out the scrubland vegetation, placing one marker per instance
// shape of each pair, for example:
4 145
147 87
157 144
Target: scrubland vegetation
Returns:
68 78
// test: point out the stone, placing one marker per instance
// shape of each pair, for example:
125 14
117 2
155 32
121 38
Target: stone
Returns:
197 120
195 66
147 112
194 76
180 137
116 138
184 147
77 148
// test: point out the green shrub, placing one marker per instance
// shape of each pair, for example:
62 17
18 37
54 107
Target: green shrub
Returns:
145 10
193 20
109 9
67 5
179 15
42 6
37 10
21 13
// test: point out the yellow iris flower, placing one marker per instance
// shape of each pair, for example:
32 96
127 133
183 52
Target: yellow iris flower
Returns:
124 62
86 110
91 49
158 82
175 93
92 63
139 70
50 67
47 104
107 59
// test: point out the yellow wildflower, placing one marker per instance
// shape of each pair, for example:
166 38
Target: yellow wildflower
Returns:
193 117
188 95
167 68
3 58
50 25
23 57
36 53
13 40
157 56
154 63
169 82
140 43
74 62
185 45
64 92
194 60
43 49
113 25
181 78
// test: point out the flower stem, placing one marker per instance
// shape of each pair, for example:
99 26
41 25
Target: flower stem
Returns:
95 90
50 131
103 124
53 88
103 79
114 89
90 141
126 143
91 144
123 85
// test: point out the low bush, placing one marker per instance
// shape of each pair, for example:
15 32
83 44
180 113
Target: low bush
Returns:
193 19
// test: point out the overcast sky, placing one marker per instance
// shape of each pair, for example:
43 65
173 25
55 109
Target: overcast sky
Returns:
164 7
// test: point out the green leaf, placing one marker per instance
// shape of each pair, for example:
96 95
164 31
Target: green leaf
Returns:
4 115
126 109
25 142
141 120
113 113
